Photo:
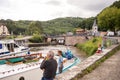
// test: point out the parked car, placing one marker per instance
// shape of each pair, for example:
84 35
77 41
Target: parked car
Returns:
110 33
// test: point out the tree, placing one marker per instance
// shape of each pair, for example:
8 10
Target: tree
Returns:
87 23
35 28
36 38
109 19
11 26
116 4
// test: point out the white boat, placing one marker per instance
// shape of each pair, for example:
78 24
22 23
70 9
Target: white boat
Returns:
10 72
9 47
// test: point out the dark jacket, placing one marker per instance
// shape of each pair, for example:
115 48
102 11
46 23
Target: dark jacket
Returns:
50 67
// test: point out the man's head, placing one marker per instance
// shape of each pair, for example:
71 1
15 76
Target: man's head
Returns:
22 78
50 54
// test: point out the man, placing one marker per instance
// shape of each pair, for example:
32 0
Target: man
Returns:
49 65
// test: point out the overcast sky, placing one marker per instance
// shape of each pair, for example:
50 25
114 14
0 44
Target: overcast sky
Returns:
49 9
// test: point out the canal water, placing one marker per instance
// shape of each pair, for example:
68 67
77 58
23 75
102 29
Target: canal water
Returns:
36 73
74 50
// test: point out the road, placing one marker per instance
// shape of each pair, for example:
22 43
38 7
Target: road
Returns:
108 70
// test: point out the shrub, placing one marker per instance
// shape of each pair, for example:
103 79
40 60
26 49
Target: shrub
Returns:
36 39
90 46
94 40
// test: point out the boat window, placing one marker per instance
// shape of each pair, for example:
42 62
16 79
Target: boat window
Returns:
15 46
0 46
8 46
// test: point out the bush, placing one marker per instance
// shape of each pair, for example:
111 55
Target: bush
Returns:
90 46
94 40
36 39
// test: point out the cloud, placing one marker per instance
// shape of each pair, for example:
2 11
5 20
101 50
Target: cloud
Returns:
91 4
89 7
4 3
54 2
49 9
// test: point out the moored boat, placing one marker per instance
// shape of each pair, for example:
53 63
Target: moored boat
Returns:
8 48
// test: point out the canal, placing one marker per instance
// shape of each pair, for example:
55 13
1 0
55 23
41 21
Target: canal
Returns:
36 73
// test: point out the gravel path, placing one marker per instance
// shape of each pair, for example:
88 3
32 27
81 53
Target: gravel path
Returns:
108 70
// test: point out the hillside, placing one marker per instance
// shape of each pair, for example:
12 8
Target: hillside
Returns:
55 26
63 25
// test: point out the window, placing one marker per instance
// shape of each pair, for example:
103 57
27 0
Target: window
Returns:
8 46
0 46
15 46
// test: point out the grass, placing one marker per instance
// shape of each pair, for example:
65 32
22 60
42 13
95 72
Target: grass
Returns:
90 46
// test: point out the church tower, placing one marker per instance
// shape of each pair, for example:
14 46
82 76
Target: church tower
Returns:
95 29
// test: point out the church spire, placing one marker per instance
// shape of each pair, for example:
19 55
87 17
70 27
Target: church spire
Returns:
94 24
95 28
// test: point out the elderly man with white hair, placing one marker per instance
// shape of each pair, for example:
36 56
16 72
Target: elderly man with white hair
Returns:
49 65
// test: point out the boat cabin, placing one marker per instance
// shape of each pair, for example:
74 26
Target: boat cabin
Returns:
8 46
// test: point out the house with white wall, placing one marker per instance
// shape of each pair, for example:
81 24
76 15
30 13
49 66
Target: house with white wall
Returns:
3 30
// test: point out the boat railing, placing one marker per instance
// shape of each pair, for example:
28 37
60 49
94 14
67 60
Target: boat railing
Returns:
13 53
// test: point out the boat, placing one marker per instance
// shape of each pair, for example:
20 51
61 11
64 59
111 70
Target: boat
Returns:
8 48
23 69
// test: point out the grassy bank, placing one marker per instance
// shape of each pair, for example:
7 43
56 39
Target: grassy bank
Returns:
90 46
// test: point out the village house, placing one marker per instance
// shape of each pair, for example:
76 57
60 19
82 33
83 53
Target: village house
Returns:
80 31
3 30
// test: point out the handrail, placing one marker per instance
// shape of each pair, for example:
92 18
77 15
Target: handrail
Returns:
75 62
10 57
12 53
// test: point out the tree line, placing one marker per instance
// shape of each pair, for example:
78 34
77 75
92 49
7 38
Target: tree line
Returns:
52 27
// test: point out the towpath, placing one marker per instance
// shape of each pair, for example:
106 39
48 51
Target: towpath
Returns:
108 70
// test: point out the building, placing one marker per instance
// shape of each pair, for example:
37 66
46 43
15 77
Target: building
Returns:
118 33
103 34
69 33
80 31
95 29
3 30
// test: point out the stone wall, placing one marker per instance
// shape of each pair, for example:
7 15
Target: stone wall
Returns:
72 40
77 71
118 38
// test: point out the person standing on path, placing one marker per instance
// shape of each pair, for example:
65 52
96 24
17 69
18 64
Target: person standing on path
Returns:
49 65
60 61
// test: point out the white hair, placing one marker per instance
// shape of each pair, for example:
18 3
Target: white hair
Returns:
51 54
